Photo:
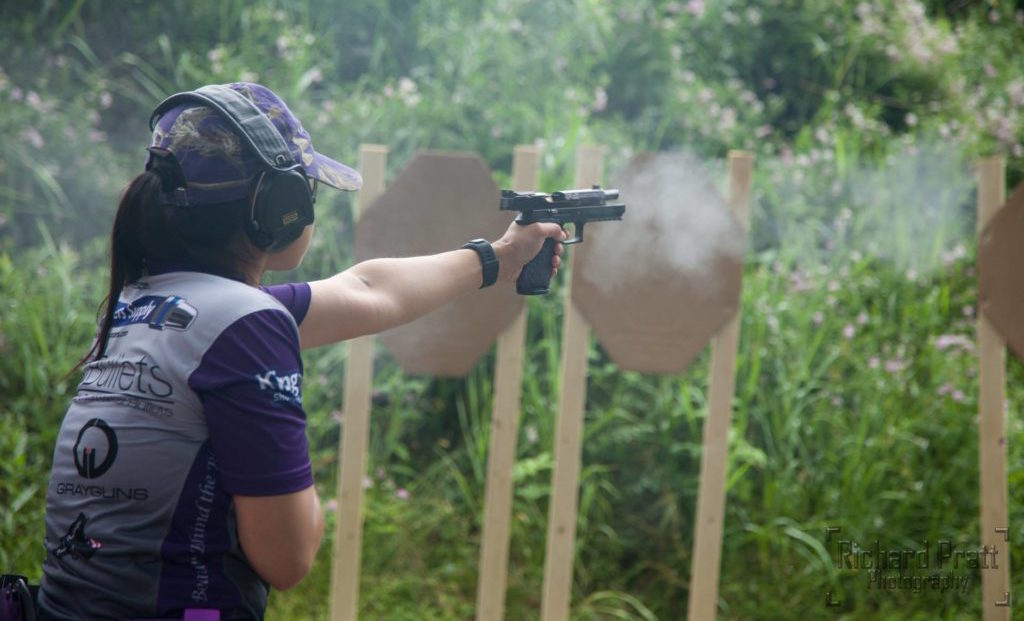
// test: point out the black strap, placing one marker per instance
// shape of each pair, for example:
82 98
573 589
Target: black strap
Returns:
488 260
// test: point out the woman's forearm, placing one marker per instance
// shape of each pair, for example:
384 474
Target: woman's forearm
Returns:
410 287
379 294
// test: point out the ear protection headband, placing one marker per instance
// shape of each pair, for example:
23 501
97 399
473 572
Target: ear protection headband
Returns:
281 197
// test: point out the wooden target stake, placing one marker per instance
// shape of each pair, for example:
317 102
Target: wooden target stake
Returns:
569 430
995 575
355 430
714 460
501 458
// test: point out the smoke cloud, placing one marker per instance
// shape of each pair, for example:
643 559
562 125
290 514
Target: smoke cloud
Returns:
914 209
676 223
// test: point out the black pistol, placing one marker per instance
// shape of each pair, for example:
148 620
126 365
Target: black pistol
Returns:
575 206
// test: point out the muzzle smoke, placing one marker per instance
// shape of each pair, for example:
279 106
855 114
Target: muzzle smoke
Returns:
676 224
913 209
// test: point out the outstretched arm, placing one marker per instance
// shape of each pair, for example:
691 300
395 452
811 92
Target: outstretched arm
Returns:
378 294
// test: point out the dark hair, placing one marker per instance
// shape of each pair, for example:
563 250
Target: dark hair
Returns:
149 231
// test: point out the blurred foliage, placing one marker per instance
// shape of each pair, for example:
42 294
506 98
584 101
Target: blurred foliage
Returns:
855 381
80 79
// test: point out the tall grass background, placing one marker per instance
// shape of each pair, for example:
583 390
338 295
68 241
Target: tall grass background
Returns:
855 404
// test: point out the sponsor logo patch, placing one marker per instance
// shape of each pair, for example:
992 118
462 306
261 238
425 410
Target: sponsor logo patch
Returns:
158 312
95 449
142 379
76 543
282 387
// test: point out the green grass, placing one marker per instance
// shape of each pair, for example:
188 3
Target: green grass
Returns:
850 413
824 436
872 431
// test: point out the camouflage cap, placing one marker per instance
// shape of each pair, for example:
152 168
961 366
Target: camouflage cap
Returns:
219 166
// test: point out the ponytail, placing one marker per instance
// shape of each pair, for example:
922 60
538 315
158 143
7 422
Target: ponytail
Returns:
149 231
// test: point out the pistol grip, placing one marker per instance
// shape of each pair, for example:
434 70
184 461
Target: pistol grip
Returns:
535 279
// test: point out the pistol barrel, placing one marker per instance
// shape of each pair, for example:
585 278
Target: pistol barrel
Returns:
588 196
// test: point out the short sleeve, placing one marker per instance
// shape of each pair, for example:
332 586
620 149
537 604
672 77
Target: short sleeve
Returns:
250 384
294 296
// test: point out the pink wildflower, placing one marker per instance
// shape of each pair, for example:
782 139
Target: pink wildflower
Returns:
954 341
312 76
798 282
895 365
33 137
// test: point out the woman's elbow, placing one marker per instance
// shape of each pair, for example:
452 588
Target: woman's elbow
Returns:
281 535
285 575
284 568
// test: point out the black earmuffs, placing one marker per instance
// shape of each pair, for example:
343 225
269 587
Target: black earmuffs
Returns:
281 196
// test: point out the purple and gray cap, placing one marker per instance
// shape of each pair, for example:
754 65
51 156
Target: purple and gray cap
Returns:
220 166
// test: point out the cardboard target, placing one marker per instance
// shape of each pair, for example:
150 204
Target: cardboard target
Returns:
438 202
658 285
1000 273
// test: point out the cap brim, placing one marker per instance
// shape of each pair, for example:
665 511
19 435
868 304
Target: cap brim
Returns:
334 174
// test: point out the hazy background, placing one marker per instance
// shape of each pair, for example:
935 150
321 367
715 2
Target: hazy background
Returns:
856 382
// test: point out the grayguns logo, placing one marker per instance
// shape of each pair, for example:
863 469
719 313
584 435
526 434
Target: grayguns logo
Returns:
96 442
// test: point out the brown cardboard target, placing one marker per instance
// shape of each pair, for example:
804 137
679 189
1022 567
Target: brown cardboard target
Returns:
1001 271
658 285
437 203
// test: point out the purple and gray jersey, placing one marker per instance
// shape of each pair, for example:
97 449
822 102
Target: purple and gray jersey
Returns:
198 397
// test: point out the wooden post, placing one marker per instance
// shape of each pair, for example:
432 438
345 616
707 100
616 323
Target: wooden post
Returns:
501 458
355 429
714 460
995 574
569 430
